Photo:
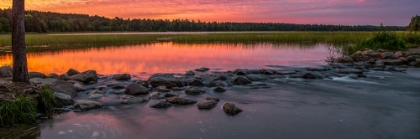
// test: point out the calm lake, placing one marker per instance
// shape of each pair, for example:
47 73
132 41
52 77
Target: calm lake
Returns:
382 105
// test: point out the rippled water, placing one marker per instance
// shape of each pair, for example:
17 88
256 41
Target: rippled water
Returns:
382 105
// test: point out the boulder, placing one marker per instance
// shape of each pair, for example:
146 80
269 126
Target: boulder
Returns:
36 75
64 98
241 80
6 71
72 72
231 109
190 73
194 91
180 101
61 86
202 69
64 77
167 80
87 104
207 105
134 100
219 89
143 83
136 89
86 77
121 77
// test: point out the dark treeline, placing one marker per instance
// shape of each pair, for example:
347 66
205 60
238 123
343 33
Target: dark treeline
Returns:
36 21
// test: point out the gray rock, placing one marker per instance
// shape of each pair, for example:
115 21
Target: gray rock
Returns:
387 55
121 77
218 83
213 99
167 80
143 83
194 91
6 71
208 78
190 73
219 89
202 69
240 72
171 94
207 105
154 95
64 77
64 98
95 96
36 75
87 104
79 86
159 104
53 75
231 109
46 81
180 101
254 77
196 82
241 80
163 89
136 89
72 72
86 77
134 100
61 86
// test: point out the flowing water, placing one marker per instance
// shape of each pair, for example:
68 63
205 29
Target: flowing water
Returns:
382 105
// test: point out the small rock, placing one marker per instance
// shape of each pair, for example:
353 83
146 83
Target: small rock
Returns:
87 104
159 104
202 69
126 96
121 77
64 98
154 95
86 77
207 105
36 75
64 77
219 89
387 55
95 96
54 76
268 72
167 80
213 99
163 89
180 101
241 80
231 109
72 72
79 86
136 89
399 54
143 83
63 87
171 94
240 72
190 73
134 100
196 82
194 91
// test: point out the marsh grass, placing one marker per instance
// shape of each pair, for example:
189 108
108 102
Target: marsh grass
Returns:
48 101
22 110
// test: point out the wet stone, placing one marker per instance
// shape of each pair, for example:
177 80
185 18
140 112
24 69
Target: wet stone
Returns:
133 100
163 89
194 91
180 101
159 104
219 89
171 94
231 109
213 99
202 69
190 73
207 105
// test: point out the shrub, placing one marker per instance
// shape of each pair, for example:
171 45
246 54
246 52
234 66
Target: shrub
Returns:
383 40
22 110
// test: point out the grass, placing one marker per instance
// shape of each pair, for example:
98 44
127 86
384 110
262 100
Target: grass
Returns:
22 110
48 101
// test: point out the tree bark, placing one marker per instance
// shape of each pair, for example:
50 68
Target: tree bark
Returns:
20 66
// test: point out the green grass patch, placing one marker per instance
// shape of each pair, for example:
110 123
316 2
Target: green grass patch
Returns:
48 101
22 110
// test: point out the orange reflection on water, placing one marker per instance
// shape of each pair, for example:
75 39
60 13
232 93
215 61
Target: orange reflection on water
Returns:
171 58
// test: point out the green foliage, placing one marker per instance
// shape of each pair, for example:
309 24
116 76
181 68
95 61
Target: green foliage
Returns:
412 39
22 110
383 40
47 100
414 24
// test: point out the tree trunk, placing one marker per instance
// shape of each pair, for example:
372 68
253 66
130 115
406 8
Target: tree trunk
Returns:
20 66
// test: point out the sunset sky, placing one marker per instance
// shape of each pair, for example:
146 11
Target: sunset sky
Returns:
349 12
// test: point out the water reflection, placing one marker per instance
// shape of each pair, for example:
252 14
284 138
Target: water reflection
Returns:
173 57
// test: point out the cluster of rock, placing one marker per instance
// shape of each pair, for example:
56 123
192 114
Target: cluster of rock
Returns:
378 60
